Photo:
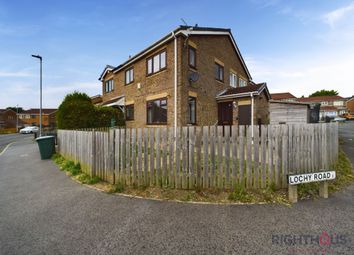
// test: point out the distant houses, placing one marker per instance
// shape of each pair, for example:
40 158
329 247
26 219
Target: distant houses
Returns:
31 117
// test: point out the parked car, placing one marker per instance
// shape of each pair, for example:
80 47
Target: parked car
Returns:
339 119
29 130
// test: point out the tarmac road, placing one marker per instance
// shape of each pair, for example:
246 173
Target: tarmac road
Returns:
42 211
10 138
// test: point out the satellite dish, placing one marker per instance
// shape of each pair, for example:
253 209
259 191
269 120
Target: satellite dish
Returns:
193 77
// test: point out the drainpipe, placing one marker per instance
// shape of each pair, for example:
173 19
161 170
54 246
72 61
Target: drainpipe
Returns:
175 82
252 113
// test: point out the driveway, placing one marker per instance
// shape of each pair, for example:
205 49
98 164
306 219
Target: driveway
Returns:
42 211
346 133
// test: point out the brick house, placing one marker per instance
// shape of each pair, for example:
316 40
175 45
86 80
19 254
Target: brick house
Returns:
350 105
8 119
31 117
192 76
331 106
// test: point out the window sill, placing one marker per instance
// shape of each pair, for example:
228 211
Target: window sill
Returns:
220 81
153 74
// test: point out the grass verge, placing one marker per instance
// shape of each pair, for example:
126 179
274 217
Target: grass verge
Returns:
74 169
238 194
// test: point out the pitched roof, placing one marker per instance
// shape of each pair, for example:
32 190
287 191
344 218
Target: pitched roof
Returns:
185 31
253 88
36 111
283 95
320 98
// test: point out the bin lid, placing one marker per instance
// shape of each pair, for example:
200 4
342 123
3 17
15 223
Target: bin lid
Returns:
44 137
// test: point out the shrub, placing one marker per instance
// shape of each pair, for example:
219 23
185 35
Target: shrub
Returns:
77 111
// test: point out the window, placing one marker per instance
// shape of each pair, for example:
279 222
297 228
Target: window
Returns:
108 86
219 72
157 111
33 116
324 103
156 63
338 103
192 57
243 83
129 112
129 76
192 110
233 80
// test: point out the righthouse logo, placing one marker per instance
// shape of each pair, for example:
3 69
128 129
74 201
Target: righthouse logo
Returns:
324 243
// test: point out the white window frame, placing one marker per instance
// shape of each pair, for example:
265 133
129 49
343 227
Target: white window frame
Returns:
233 79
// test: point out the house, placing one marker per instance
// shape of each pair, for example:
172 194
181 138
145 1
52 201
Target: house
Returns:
331 106
31 117
191 76
289 112
96 100
350 105
8 119
284 96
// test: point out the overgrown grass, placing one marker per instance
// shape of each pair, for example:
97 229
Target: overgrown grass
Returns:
239 193
74 169
344 176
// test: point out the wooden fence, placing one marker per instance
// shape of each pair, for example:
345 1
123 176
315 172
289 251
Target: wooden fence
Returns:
202 157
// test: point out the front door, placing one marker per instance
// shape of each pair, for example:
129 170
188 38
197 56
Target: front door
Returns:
244 114
225 113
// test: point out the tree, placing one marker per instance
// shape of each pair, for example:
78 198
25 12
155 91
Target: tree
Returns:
20 109
324 92
76 111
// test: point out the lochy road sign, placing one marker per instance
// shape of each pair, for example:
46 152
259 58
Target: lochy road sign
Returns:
294 179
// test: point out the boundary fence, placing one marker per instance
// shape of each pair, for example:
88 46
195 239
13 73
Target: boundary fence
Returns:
202 157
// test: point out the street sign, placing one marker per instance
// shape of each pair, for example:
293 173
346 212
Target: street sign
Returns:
294 179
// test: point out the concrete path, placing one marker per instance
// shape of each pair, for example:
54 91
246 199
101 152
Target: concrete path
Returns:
42 211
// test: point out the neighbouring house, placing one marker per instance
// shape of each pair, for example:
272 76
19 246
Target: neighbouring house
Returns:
331 106
8 119
191 76
284 96
96 100
289 112
31 117
350 105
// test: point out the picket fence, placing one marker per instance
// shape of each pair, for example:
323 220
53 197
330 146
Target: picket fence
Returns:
202 157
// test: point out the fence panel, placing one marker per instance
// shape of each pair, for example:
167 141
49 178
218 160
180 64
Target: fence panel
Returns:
208 157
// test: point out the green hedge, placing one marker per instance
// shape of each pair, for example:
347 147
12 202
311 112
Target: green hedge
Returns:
77 111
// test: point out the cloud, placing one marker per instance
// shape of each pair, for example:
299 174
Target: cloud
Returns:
15 74
304 77
333 17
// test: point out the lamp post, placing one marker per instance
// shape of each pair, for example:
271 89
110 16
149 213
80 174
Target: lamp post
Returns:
16 118
40 108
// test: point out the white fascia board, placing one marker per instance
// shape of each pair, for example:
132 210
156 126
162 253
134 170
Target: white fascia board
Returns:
104 73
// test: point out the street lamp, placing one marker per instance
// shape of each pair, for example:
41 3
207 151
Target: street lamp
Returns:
40 109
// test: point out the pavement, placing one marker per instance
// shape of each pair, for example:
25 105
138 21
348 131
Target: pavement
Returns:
43 211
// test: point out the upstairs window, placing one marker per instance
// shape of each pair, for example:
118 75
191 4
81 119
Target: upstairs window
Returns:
192 57
192 110
108 86
243 82
129 76
157 111
129 112
233 80
156 63
219 72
